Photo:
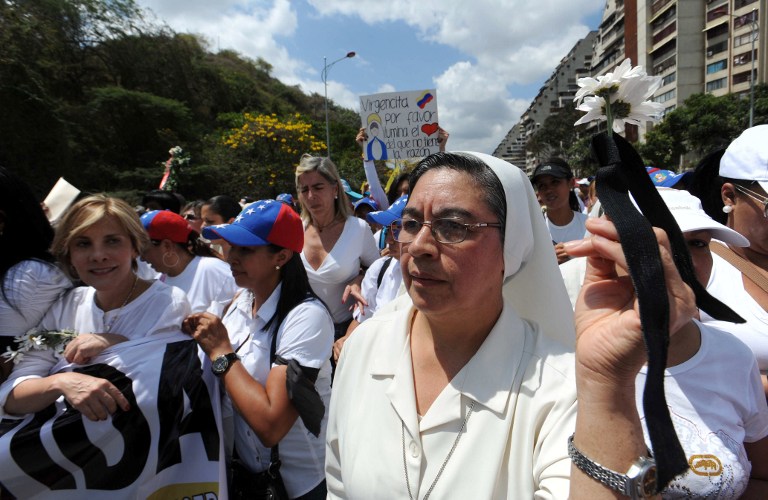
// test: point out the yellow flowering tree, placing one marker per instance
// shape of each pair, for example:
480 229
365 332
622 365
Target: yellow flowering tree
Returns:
269 148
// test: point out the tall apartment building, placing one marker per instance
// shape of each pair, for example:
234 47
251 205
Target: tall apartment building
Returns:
512 147
733 50
558 91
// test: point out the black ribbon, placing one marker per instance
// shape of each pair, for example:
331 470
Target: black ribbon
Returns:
622 172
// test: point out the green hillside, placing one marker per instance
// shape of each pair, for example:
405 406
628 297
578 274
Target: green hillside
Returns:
94 91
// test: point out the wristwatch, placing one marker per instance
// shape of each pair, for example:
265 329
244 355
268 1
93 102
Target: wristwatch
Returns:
638 482
222 363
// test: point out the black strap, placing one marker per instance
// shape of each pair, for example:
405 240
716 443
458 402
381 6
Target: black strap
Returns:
274 457
383 270
622 172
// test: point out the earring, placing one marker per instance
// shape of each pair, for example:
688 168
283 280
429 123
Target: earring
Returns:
335 197
166 264
277 268
727 209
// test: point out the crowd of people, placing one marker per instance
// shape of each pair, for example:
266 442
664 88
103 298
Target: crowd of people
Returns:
469 333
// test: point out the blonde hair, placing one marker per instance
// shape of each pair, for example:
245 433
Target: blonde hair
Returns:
325 167
86 213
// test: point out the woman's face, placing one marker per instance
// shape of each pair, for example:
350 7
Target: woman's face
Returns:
153 255
460 279
193 220
316 194
211 218
253 267
748 216
554 192
103 255
701 257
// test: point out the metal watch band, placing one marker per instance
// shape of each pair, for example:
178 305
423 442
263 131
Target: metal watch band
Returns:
614 480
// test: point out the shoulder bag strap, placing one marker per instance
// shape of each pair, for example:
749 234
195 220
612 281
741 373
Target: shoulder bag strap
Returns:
747 268
274 458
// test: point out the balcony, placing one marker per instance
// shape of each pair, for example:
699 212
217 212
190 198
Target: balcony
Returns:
658 5
666 32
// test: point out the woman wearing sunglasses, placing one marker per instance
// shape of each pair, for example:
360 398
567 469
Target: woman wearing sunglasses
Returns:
738 198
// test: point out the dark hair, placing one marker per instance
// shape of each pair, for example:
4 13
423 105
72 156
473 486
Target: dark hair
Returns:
196 246
394 189
706 183
224 205
195 206
165 199
573 202
482 174
27 233
295 289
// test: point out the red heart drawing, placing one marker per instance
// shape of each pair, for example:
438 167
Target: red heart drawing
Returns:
429 128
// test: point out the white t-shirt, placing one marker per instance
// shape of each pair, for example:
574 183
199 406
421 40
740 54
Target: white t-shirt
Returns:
726 284
717 404
574 230
376 295
208 283
160 309
305 335
354 248
31 287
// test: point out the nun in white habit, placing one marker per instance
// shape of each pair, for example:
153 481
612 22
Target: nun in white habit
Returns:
466 388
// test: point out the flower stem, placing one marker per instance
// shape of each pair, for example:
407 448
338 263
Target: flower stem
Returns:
608 115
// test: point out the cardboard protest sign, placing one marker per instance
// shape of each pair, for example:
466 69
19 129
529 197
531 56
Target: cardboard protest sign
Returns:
59 199
400 125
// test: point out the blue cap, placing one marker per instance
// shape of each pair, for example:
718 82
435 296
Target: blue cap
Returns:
261 223
665 178
367 201
285 198
390 215
355 196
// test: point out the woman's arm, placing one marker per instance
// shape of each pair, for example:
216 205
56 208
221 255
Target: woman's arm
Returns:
266 408
96 398
374 184
610 353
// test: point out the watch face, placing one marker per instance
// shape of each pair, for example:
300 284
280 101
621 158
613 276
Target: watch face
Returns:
220 365
648 482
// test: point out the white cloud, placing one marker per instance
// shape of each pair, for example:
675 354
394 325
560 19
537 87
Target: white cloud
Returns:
505 43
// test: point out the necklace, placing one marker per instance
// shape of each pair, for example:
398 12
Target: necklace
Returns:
445 462
108 326
330 224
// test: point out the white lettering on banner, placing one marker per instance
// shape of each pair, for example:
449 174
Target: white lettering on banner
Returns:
168 445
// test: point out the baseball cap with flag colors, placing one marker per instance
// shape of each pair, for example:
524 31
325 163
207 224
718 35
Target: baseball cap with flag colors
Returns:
262 223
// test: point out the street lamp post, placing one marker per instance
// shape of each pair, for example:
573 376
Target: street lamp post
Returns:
324 76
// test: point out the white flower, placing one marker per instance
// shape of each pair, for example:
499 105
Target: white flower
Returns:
39 340
11 355
619 97
175 151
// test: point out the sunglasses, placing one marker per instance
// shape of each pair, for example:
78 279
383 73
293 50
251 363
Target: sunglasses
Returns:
758 198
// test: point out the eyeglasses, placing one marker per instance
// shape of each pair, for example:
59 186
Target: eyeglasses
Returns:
443 230
758 198
191 216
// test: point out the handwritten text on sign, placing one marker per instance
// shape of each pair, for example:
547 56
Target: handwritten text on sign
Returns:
400 124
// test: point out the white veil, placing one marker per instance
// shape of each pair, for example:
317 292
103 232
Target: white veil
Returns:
533 285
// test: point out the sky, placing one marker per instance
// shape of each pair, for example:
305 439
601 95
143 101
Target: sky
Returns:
487 59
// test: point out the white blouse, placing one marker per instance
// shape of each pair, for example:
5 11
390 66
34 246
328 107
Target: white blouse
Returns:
354 248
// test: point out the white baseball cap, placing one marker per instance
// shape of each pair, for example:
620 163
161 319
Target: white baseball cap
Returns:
687 211
747 157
